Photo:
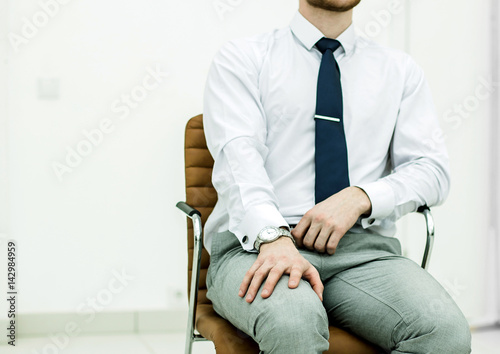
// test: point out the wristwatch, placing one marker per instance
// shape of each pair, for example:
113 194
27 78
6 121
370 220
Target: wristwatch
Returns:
270 234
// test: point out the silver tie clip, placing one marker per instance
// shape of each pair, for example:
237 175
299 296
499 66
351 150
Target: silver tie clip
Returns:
333 119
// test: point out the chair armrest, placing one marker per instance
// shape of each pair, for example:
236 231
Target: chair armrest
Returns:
194 215
429 221
187 209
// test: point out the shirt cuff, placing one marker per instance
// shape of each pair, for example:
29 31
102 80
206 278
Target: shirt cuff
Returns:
383 202
255 220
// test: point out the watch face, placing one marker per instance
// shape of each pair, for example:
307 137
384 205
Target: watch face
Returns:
269 234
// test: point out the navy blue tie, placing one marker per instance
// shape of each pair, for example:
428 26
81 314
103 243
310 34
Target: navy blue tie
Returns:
332 173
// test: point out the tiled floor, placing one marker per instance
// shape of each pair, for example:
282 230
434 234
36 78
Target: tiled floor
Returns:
484 342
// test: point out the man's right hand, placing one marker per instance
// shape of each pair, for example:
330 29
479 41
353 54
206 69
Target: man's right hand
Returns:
275 259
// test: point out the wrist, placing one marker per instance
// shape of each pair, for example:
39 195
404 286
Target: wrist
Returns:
282 241
365 205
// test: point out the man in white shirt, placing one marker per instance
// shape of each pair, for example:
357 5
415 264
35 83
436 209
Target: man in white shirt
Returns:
340 263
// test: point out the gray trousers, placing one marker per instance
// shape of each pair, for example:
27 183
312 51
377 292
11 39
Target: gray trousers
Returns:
370 290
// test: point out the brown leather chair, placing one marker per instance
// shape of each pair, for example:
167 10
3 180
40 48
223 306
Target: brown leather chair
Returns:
200 200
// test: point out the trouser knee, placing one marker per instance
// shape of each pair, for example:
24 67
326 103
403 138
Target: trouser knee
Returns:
438 334
292 326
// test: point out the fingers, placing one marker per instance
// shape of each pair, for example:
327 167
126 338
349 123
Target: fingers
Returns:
295 276
261 270
248 277
333 241
311 235
299 231
257 280
323 237
272 279
312 276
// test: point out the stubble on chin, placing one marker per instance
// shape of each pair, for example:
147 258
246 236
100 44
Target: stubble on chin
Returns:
334 5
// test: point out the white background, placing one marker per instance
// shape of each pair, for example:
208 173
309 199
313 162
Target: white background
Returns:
116 210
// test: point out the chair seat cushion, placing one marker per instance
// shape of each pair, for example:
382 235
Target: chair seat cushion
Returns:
226 338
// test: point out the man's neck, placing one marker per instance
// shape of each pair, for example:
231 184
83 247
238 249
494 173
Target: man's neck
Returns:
330 23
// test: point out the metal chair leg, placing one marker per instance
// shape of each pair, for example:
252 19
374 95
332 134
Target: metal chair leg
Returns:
195 215
429 221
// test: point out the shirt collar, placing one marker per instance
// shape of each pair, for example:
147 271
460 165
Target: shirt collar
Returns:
308 34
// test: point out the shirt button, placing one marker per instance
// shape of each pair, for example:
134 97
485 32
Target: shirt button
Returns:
371 221
245 239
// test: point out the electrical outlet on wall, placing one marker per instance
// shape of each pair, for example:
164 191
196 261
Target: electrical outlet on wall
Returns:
176 298
48 88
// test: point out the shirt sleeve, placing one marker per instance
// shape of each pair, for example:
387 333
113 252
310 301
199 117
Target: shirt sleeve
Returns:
236 129
420 168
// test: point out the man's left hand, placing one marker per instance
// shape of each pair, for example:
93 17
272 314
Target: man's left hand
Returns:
322 227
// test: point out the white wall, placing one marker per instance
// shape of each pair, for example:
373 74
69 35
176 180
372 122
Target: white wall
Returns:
495 132
3 116
3 150
115 210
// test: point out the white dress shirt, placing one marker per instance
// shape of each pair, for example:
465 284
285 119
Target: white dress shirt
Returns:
259 107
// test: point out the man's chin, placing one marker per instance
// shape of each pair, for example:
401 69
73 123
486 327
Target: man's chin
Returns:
334 5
